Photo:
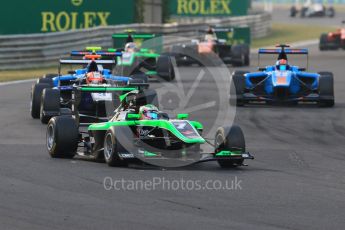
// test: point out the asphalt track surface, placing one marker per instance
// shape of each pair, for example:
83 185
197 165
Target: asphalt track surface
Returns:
296 181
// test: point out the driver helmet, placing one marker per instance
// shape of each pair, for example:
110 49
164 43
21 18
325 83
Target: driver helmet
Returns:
94 78
131 47
281 64
148 112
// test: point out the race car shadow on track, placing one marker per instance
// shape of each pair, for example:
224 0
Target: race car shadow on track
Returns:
209 166
289 106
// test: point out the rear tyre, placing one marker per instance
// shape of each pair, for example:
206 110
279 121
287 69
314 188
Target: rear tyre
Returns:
303 12
50 102
323 42
237 89
293 11
50 75
231 139
36 94
165 68
115 142
62 137
246 60
326 89
238 55
330 12
48 81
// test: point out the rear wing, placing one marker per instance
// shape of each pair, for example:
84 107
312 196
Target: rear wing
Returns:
283 52
120 39
127 88
232 35
102 53
85 62
286 50
152 42
98 89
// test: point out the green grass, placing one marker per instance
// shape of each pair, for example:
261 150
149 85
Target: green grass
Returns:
13 75
288 33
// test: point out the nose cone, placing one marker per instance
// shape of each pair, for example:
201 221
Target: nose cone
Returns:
281 78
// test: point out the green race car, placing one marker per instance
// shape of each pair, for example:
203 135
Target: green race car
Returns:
138 59
139 132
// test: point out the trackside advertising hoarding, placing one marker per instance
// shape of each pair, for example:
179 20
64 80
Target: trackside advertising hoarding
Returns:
40 16
209 8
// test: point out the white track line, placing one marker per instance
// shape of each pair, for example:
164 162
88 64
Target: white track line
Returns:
16 82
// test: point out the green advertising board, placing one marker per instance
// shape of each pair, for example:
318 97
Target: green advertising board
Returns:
199 8
40 16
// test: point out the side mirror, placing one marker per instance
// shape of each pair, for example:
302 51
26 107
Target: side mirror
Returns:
182 116
132 116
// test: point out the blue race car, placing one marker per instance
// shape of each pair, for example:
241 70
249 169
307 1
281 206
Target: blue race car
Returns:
282 83
58 89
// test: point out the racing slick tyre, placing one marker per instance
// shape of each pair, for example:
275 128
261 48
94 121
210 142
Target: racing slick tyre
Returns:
239 55
50 75
165 69
117 140
50 104
237 89
293 11
48 81
323 42
231 139
141 77
330 12
303 12
246 60
62 137
326 90
36 94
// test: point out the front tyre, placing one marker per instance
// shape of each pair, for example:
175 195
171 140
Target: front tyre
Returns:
326 89
62 137
113 146
36 94
230 139
165 69
238 88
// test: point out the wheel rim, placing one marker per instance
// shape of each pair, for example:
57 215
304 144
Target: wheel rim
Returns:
108 146
219 142
50 137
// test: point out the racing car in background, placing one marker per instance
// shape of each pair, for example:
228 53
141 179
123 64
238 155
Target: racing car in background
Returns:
137 59
282 82
139 132
312 9
51 92
231 45
333 40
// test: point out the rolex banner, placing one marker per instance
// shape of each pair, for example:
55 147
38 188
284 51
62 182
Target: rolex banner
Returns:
39 16
209 8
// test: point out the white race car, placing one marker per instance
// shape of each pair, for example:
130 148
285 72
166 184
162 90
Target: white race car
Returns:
312 9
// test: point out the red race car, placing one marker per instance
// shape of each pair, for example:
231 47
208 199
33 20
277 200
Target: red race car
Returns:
333 40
